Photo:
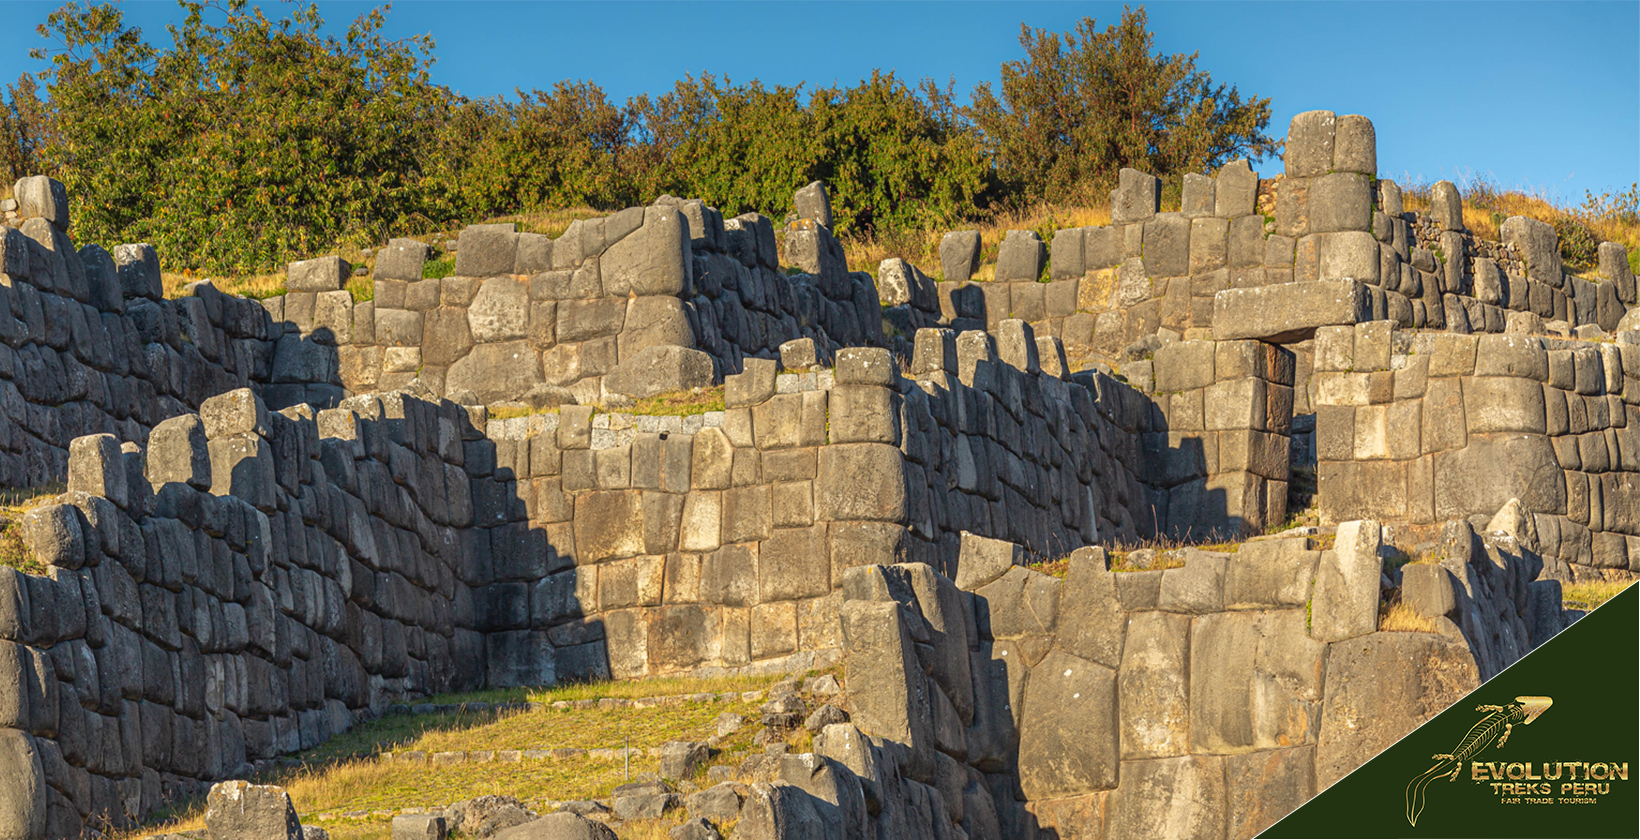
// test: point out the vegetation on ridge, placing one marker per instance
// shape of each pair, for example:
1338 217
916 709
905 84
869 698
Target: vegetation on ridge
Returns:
248 142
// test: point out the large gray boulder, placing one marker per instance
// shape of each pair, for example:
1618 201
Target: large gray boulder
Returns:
1446 205
324 274
900 282
1538 245
1068 735
239 411
1379 688
1020 257
239 810
138 268
983 559
22 788
41 197
55 536
483 816
417 827
1286 312
1310 138
1614 266
658 369
487 250
102 278
1346 584
1137 197
959 255
652 260
812 202
401 259
560 826
497 372
889 693
500 311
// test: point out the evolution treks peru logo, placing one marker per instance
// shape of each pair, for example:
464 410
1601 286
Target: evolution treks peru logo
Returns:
1559 782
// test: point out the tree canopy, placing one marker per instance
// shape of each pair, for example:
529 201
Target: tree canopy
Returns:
1084 104
245 142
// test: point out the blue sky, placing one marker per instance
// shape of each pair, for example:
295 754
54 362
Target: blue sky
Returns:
1544 96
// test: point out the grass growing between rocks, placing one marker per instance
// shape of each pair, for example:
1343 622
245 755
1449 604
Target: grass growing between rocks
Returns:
1400 618
14 503
513 412
921 247
680 403
1588 595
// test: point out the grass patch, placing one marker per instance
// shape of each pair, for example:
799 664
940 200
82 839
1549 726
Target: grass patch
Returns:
1590 594
513 411
361 794
1400 618
630 689
255 286
680 403
1057 567
553 223
363 288
440 267
549 728
921 247
14 502
353 783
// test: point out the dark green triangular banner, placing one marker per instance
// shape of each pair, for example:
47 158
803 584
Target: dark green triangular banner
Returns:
1572 772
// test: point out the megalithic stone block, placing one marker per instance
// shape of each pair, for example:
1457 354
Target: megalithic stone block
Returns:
1346 584
239 810
959 255
41 197
1287 312
1137 197
887 687
812 202
96 467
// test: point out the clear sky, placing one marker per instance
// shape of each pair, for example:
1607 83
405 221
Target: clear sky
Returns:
1544 96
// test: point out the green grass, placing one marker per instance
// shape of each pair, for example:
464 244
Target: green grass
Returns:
343 782
1588 595
680 403
443 266
14 502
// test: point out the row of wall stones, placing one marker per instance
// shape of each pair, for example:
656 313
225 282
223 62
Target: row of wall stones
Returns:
1104 704
1427 427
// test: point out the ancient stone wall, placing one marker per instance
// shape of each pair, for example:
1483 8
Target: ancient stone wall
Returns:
241 588
1218 454
1426 427
639 545
89 345
614 307
1212 698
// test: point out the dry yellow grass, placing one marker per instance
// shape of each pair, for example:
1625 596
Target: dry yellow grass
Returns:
14 502
1400 618
921 248
376 788
1587 596
1483 214
680 403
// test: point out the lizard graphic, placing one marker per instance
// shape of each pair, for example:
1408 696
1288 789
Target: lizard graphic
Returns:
1499 723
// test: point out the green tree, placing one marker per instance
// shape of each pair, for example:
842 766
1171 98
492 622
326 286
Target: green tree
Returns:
898 157
741 148
1083 104
557 148
890 154
22 130
240 145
